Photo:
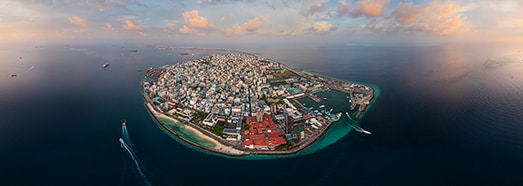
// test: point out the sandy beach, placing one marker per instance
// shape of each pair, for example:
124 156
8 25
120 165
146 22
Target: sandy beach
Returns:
218 147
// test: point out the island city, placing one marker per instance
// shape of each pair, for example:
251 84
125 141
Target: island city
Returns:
246 104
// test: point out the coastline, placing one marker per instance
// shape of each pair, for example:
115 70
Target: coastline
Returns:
217 148
228 151
220 146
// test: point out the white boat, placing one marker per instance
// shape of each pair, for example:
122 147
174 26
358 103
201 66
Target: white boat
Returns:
336 117
347 113
105 65
322 106
360 130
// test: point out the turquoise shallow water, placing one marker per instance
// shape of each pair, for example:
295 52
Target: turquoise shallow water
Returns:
185 133
447 115
335 99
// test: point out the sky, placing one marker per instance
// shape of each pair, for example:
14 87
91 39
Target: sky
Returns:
252 21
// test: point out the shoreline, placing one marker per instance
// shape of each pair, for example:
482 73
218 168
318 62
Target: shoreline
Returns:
230 149
219 147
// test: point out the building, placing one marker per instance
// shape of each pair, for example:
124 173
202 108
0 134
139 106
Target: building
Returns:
263 133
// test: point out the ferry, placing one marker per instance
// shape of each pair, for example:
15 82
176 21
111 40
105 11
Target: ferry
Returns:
105 65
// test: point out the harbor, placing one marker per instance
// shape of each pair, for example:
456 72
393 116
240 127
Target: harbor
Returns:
263 113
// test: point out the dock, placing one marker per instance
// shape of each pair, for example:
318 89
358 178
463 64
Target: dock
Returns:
315 98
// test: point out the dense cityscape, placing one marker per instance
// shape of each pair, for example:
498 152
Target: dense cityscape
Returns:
247 104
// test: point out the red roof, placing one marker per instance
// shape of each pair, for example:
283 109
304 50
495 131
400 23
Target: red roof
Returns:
261 143
256 135
278 141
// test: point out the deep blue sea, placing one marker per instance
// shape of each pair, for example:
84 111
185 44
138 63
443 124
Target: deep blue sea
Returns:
447 115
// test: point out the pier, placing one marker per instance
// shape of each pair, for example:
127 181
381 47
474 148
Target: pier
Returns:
183 92
315 98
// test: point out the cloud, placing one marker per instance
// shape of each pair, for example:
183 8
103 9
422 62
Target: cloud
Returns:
131 26
317 8
322 26
437 17
75 20
107 4
186 30
439 10
343 9
109 27
235 30
448 26
193 20
375 26
252 25
369 8
406 13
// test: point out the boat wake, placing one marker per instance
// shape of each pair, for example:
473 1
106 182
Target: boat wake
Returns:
356 127
129 149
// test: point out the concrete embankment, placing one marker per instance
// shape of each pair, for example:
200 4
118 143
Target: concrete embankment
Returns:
220 147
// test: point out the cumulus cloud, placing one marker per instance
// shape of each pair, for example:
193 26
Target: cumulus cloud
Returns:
375 26
451 25
439 10
75 20
252 25
235 30
129 25
369 8
193 20
322 26
435 17
186 30
406 13
108 27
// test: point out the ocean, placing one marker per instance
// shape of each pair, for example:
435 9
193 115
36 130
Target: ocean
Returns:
447 115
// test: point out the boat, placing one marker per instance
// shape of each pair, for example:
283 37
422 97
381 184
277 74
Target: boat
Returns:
123 122
13 75
336 117
348 115
105 65
322 106
361 130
